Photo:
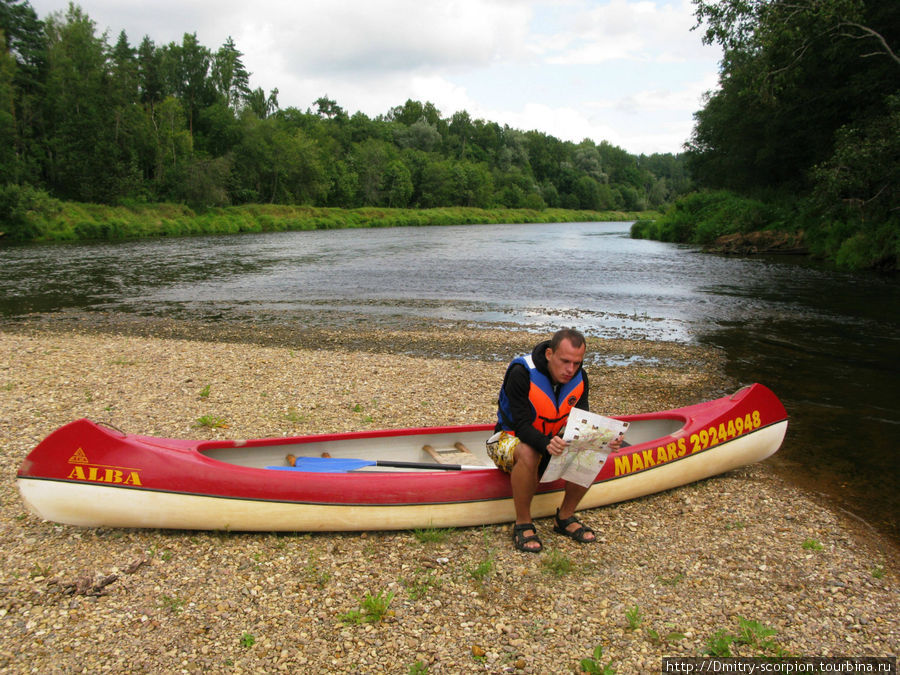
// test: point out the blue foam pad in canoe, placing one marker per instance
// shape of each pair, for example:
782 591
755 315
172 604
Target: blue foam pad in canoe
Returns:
325 465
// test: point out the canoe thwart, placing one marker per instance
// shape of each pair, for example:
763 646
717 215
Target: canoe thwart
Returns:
458 454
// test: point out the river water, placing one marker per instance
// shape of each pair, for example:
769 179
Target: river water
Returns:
825 341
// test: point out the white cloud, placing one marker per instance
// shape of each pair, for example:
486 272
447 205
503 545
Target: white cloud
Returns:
327 37
628 30
684 99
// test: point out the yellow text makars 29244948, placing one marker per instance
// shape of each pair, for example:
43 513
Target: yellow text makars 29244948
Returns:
699 441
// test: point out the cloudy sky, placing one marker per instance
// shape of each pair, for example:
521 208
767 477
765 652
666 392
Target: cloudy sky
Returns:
630 72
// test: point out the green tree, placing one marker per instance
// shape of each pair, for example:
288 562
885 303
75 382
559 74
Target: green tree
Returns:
229 76
329 109
25 42
588 192
24 39
217 130
276 164
486 141
608 198
421 135
343 185
547 156
514 153
587 160
805 112
261 105
669 170
478 186
413 111
371 159
462 134
173 146
186 67
513 187
124 71
151 85
632 198
87 161
204 181
792 75
435 186
550 195
398 186
860 183
305 177
360 127
132 134
7 118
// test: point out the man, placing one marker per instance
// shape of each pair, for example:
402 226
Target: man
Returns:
537 394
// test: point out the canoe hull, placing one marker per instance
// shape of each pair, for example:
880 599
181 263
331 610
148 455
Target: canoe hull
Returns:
89 476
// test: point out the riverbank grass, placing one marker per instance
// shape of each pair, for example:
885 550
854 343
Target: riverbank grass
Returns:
43 218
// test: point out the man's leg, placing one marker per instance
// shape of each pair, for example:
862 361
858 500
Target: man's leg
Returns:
571 498
524 479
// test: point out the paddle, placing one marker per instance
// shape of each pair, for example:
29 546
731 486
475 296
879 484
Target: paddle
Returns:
343 465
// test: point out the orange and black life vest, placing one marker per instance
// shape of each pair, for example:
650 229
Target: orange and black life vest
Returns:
551 409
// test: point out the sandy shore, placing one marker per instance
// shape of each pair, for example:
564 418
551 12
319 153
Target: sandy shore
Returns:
670 572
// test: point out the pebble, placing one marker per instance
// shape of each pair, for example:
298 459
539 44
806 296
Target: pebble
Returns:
259 602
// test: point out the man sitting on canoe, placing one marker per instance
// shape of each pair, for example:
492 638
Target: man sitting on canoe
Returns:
537 394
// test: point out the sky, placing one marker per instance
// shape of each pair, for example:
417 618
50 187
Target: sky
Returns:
629 72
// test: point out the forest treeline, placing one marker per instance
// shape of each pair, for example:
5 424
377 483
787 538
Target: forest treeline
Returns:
803 132
87 119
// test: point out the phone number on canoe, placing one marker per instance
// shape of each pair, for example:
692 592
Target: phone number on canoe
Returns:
706 438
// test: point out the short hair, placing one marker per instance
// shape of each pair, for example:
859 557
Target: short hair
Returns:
576 337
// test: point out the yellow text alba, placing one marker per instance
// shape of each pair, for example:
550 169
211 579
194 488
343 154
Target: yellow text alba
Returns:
99 474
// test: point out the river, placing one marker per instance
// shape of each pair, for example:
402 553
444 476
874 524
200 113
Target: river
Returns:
825 341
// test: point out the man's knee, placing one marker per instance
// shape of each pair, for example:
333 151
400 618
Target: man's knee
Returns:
527 456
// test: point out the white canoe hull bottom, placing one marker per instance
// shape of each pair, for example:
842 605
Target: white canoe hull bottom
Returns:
93 505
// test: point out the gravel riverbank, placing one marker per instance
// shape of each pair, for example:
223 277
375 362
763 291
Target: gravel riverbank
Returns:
670 572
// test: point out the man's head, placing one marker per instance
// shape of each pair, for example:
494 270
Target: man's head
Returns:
565 355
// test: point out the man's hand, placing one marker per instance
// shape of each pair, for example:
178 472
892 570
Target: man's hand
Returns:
557 445
615 444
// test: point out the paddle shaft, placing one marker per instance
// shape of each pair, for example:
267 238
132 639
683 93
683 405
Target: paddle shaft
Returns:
427 465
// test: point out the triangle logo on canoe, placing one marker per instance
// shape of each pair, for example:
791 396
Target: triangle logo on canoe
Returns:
79 457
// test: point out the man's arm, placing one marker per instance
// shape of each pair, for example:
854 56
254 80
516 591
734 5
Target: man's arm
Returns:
517 388
583 401
615 444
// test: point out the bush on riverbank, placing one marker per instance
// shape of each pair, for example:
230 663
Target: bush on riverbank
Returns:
714 219
703 217
27 214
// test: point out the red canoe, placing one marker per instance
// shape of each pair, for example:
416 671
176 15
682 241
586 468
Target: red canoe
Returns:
90 475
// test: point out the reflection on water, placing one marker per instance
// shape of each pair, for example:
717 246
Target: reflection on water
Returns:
824 341
835 368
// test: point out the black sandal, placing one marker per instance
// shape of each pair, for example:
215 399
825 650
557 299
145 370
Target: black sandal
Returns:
578 534
520 540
